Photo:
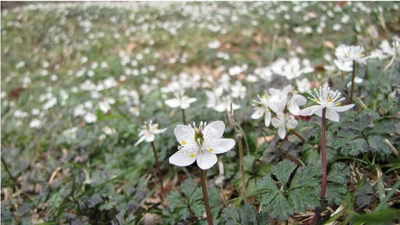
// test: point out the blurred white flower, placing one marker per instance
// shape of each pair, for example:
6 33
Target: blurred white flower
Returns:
35 123
90 117
303 85
200 144
148 131
264 107
180 100
343 65
351 53
284 123
225 105
238 90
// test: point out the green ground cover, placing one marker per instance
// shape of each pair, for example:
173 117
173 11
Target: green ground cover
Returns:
79 80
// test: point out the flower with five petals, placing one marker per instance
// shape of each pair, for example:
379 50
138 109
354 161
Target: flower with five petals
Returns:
200 144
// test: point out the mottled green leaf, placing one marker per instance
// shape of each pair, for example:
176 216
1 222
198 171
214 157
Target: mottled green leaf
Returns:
283 170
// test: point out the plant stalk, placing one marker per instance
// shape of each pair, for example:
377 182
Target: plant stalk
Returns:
353 75
323 156
14 179
158 168
205 196
183 117
298 135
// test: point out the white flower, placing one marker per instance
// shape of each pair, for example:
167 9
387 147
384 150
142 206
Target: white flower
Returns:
329 100
264 107
90 117
35 123
148 131
343 65
200 144
284 123
351 53
182 101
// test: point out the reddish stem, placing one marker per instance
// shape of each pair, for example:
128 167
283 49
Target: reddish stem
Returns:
205 196
158 168
323 156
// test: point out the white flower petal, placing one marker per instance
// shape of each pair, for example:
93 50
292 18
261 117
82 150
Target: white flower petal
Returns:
267 119
182 158
276 122
220 146
149 137
310 110
173 103
206 159
282 132
140 140
342 108
258 113
184 134
332 115
214 130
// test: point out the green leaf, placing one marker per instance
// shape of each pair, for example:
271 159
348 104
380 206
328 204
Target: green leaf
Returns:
175 199
245 215
377 144
335 193
270 191
281 208
357 146
191 190
302 198
339 173
283 170
362 121
306 176
386 126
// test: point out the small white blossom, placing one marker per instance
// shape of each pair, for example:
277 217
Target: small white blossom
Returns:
200 144
264 107
329 100
284 123
181 101
351 53
148 131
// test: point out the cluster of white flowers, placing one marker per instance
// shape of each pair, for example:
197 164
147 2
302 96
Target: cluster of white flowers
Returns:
282 104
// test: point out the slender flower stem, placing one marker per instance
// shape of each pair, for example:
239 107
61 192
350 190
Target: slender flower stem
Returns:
323 156
158 168
298 135
205 196
352 82
183 117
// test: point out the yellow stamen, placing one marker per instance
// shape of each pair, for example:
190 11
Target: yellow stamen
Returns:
183 142
210 149
192 155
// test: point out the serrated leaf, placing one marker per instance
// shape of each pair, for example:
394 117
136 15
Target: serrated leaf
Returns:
245 215
281 208
198 208
335 193
283 170
191 190
309 176
175 199
302 198
270 191
377 144
386 126
339 173
356 146
361 122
